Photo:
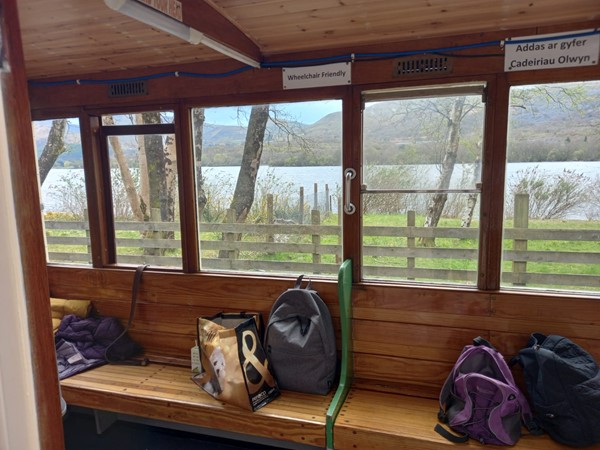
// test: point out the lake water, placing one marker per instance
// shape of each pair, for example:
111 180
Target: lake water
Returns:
291 179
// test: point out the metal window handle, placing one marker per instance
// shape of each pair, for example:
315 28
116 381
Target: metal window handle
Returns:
349 175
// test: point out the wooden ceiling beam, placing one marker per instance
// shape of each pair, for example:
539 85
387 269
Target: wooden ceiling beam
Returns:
203 17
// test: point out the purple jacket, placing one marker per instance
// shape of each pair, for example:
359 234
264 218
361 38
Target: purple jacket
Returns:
92 336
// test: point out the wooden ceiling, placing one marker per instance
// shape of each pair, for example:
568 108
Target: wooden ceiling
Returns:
65 38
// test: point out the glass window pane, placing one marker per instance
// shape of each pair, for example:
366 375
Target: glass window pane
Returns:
552 207
62 190
421 186
268 185
143 171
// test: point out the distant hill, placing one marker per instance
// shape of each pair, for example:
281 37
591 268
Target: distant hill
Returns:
540 130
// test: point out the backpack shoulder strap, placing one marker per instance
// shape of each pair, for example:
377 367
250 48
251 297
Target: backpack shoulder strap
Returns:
134 296
529 421
457 439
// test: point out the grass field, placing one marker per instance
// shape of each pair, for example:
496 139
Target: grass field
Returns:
465 260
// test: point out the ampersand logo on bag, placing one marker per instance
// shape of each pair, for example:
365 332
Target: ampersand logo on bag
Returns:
255 371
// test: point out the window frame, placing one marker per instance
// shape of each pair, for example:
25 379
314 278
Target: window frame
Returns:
97 165
448 89
105 132
330 270
341 94
493 163
523 79
68 113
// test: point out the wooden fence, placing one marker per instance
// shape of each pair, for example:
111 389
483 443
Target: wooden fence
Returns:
389 252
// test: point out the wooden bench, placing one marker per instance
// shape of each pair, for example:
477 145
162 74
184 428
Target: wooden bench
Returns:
165 395
382 420
395 354
404 347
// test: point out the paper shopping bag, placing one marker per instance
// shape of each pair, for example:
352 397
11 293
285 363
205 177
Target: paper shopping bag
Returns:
235 368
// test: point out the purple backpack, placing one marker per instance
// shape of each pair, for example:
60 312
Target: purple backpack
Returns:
480 399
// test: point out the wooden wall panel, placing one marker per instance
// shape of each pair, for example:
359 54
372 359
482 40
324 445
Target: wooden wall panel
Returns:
581 311
177 288
407 339
417 341
401 375
169 303
388 299
163 346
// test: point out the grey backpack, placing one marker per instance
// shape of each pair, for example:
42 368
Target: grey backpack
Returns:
300 341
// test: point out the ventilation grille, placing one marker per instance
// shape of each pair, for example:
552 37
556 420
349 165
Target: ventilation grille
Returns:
127 89
419 65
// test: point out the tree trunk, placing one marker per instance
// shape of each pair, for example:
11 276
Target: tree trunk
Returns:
144 181
155 157
437 202
132 195
157 173
55 146
198 117
472 198
243 197
171 181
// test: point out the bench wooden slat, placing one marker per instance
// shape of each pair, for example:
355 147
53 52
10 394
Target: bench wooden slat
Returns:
375 420
167 393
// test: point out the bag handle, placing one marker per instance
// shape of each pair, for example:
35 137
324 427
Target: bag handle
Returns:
298 283
481 341
134 296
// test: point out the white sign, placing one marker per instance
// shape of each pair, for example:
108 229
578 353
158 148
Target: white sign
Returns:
552 51
316 76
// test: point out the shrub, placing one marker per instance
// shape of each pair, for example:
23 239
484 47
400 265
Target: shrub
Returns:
550 196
